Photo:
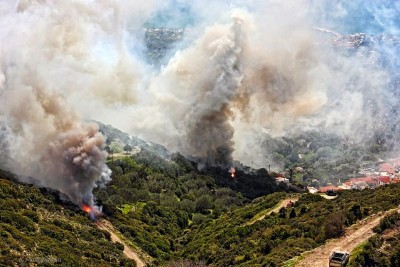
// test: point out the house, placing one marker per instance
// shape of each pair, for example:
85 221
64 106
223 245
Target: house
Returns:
360 185
386 169
281 179
327 188
383 180
312 190
345 186
367 171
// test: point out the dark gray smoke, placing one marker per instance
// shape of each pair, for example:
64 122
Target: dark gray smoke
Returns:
209 131
233 79
43 139
244 68
54 74
78 159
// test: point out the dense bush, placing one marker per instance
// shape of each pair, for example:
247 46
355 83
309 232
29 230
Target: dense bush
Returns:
34 230
282 236
392 220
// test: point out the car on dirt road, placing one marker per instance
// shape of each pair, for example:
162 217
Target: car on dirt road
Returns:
339 259
331 193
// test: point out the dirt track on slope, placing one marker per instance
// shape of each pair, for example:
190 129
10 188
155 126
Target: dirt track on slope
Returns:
128 251
276 209
283 204
354 236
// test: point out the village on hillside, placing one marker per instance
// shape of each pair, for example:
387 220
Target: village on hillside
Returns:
386 172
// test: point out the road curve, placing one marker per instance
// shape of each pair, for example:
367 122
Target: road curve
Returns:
354 236
128 251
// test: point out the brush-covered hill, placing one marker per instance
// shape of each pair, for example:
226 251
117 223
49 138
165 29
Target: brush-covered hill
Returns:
155 202
186 219
153 199
38 229
163 204
179 216
239 239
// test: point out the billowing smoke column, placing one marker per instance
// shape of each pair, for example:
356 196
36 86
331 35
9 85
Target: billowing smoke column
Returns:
244 68
209 132
45 140
262 71
234 77
77 157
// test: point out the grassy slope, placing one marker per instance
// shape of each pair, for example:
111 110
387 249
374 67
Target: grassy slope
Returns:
280 237
383 249
34 224
35 229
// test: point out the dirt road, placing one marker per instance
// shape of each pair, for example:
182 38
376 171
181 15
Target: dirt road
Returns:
128 251
283 203
354 236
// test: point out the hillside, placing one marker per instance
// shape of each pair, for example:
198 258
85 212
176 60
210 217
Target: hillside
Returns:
286 234
164 210
383 249
257 133
153 202
37 225
160 203
39 229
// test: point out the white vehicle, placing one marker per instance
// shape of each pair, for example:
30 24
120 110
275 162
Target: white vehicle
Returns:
339 259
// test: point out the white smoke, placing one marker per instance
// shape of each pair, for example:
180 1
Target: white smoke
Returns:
51 62
246 67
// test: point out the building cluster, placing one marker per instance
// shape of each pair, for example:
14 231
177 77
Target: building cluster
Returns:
387 173
368 178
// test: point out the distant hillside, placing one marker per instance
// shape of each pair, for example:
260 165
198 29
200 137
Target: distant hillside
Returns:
323 156
114 135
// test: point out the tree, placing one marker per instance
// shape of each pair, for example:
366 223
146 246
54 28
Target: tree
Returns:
282 212
333 226
203 204
292 213
115 147
112 148
127 148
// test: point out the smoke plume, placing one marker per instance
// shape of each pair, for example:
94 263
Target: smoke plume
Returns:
242 69
49 57
233 78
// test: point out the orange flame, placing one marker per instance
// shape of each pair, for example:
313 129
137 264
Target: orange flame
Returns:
232 171
86 208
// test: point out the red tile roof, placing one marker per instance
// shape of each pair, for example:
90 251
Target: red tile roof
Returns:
386 167
369 180
384 179
329 187
362 179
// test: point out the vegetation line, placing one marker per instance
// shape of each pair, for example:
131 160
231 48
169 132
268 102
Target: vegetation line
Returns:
282 204
128 250
354 236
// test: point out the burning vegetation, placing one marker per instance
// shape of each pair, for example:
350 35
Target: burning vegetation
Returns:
232 172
